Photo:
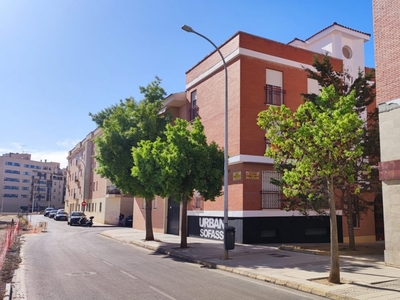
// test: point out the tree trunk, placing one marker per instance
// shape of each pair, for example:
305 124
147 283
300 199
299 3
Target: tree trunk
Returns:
184 222
334 274
350 227
149 222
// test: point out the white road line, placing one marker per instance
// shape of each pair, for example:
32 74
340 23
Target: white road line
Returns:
162 293
93 255
107 263
127 274
83 249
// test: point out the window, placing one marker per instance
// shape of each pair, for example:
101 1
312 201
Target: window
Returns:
100 206
273 88
11 187
267 143
10 195
11 179
270 192
274 95
25 188
316 231
11 163
347 52
12 171
268 233
193 108
356 209
26 181
26 173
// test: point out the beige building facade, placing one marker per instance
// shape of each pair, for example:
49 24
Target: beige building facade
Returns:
387 59
28 185
87 191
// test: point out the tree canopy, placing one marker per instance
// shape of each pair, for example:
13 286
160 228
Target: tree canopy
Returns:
180 165
320 141
353 202
123 127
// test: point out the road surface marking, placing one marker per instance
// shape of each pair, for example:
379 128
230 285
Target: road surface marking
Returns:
107 263
162 293
127 274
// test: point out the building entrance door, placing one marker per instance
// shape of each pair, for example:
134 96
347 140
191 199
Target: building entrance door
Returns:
173 216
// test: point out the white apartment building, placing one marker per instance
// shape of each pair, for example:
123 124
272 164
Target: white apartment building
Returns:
27 184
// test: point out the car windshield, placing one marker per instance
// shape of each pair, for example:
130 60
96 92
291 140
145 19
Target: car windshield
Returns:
62 213
77 214
54 211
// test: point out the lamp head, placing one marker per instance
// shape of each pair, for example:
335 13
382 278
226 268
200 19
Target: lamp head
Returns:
187 28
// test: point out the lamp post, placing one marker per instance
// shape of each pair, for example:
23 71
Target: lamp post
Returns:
226 162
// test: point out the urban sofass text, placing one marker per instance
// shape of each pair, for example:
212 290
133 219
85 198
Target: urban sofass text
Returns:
212 228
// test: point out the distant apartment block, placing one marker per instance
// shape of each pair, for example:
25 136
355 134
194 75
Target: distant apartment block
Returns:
27 184
87 191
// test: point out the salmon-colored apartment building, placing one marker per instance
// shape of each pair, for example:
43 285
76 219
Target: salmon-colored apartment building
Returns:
87 191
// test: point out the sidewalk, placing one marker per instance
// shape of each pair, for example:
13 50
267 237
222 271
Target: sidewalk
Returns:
363 276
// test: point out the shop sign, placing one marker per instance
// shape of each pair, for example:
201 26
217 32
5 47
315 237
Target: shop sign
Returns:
211 228
252 175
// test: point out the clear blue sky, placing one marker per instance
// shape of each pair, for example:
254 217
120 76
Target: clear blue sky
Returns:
61 59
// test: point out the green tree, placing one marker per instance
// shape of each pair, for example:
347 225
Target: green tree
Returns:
123 127
352 202
181 165
320 141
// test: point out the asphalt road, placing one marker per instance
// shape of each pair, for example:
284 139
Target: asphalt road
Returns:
67 263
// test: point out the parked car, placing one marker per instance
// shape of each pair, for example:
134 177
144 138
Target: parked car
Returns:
52 213
74 217
47 211
61 215
128 221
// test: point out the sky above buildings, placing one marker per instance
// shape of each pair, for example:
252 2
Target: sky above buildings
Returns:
61 60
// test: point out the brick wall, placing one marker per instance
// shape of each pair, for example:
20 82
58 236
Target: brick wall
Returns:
387 56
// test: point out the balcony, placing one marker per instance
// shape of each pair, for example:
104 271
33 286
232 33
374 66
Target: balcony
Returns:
112 190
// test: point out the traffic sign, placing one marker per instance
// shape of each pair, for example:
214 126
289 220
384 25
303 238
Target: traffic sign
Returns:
83 203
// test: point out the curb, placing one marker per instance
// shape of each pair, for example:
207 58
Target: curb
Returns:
8 292
289 284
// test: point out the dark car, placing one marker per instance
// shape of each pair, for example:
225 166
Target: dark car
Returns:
61 215
74 218
47 211
52 213
128 221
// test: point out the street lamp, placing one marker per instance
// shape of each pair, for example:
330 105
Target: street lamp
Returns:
226 162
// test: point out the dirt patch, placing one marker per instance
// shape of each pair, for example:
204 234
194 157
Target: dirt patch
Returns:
13 258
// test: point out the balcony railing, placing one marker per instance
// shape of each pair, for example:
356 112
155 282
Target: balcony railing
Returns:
112 190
